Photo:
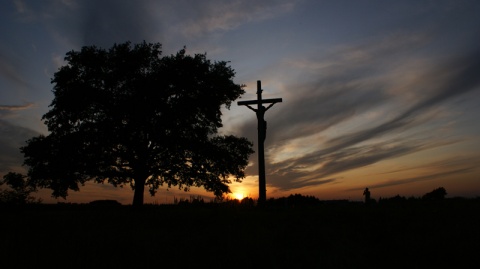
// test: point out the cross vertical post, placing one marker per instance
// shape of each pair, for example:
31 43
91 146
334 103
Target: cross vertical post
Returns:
262 188
262 132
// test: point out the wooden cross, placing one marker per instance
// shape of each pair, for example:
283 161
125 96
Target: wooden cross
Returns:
262 133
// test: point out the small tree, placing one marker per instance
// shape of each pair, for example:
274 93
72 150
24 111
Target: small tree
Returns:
19 190
128 116
436 194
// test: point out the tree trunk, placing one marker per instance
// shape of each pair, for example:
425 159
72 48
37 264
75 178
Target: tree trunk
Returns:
138 193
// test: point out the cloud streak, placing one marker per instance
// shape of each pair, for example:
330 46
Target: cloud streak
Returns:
434 176
117 21
11 71
16 107
210 16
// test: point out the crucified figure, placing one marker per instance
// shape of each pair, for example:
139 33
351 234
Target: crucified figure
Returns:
262 134
261 121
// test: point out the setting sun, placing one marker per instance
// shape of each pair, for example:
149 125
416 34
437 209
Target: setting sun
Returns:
238 196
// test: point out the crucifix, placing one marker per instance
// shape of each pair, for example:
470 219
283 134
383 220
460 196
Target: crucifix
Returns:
262 133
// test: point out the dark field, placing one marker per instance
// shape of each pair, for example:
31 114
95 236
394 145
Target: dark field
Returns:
416 234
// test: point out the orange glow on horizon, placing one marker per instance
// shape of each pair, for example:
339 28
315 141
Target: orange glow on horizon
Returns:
237 195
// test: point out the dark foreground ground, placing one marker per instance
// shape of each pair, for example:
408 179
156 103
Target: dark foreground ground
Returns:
444 234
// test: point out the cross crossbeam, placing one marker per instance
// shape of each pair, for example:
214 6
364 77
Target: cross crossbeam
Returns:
263 101
262 133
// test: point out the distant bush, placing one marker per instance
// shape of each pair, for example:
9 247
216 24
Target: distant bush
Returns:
294 200
105 203
395 199
436 194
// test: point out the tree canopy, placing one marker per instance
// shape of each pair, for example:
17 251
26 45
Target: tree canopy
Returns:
436 194
130 116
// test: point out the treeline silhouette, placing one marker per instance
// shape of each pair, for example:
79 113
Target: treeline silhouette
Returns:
20 194
299 200
296 231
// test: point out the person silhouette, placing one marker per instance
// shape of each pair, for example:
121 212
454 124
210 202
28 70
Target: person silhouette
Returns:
366 193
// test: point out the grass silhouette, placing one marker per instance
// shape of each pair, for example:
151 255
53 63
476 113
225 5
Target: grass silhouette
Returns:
409 234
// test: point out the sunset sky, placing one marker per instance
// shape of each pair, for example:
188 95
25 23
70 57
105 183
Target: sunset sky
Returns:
377 94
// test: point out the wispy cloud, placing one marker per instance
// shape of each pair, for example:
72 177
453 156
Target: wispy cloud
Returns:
210 16
16 107
10 71
457 77
106 22
19 6
432 176
327 163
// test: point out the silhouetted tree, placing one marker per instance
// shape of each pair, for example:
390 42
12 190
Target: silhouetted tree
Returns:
18 191
436 194
129 116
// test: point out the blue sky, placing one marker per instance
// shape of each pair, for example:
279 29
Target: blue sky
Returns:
378 94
